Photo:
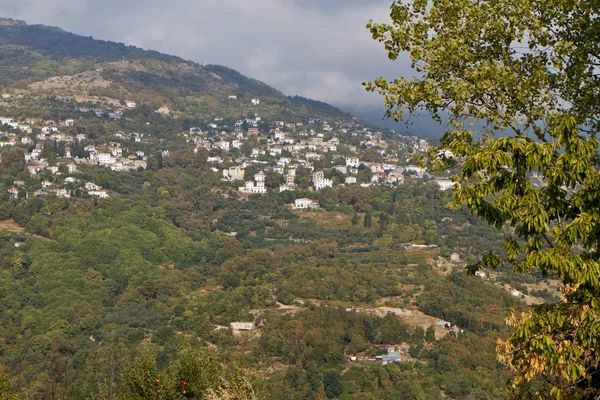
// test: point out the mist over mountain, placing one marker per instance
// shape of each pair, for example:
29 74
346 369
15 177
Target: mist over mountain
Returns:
420 124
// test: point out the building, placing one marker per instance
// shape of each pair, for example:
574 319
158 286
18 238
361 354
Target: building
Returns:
256 187
255 102
320 182
444 324
394 177
414 170
13 193
105 158
341 168
455 257
352 162
444 183
392 356
63 193
98 193
242 326
234 173
305 203
91 186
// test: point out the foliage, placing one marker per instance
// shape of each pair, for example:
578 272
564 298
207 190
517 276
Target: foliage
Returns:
191 375
529 67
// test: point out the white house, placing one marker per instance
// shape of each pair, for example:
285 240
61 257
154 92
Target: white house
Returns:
320 182
413 169
223 145
444 183
91 186
480 274
242 326
352 162
13 193
257 187
341 168
255 102
63 193
98 193
105 158
305 203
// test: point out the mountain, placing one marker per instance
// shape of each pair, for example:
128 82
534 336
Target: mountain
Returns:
420 124
160 241
73 65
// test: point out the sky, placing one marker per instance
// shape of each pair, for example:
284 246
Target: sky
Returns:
318 49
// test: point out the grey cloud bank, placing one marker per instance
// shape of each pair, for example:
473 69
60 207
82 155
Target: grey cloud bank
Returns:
314 48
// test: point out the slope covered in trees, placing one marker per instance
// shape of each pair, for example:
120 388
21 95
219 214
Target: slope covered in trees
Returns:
135 264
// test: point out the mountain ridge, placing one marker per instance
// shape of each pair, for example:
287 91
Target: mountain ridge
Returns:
33 53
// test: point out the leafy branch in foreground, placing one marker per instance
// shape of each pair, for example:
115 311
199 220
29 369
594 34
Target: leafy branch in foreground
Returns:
519 84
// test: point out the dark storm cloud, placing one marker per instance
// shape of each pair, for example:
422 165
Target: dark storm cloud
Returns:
314 48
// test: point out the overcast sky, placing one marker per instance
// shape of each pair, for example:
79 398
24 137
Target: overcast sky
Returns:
314 48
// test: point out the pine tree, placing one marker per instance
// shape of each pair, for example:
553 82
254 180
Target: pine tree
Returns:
368 219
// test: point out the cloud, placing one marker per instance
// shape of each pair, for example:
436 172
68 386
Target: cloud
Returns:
314 48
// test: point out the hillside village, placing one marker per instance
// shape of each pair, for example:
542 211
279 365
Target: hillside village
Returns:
156 211
252 154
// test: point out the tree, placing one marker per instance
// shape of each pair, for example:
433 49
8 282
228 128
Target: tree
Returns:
527 69
273 179
382 221
250 171
332 383
191 375
5 393
368 219
430 334
354 218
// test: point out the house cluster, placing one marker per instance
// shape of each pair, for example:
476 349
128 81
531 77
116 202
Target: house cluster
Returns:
311 153
113 110
115 157
57 176
48 133
9 122
285 147
64 188
392 353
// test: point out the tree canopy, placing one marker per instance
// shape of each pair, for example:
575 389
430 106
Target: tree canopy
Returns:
518 83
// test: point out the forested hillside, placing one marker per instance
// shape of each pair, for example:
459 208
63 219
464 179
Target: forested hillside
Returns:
171 230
